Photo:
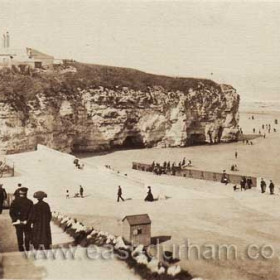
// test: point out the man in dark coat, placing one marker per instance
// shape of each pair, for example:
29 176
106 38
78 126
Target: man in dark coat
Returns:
224 178
16 193
263 185
249 183
40 218
3 196
243 184
271 187
120 194
20 213
81 191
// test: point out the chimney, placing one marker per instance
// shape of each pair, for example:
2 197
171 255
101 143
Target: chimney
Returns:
4 41
7 40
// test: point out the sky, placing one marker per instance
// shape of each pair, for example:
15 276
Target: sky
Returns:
233 42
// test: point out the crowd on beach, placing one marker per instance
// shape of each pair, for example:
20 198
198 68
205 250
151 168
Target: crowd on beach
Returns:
265 128
167 167
78 163
246 183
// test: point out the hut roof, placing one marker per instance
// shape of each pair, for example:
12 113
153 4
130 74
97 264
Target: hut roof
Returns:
142 219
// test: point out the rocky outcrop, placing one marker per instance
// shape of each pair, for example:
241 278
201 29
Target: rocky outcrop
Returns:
94 118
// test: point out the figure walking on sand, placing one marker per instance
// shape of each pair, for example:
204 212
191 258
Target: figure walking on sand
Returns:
120 194
236 154
263 186
271 187
149 196
40 218
81 191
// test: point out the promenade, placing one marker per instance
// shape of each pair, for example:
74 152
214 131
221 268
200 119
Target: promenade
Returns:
16 265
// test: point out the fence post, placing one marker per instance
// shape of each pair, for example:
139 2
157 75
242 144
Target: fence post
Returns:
214 177
202 174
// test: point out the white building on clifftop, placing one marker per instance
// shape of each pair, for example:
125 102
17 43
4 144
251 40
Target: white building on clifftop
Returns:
25 56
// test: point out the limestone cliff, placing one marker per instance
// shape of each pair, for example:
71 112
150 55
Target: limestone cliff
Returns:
85 111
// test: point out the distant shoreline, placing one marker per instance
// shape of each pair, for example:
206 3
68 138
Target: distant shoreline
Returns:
259 112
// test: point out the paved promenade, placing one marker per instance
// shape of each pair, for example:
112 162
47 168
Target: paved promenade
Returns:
16 265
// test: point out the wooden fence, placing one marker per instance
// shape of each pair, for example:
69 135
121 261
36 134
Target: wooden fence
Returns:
197 174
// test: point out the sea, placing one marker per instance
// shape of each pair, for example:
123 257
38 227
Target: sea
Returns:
260 106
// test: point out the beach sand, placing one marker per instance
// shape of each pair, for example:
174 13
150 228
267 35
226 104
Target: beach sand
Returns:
202 212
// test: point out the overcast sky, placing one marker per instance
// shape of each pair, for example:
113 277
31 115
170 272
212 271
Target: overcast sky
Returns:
230 42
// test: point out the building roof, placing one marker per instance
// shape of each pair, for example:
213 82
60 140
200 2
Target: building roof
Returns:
142 219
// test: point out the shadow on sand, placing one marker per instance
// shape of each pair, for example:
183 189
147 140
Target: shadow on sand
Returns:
160 239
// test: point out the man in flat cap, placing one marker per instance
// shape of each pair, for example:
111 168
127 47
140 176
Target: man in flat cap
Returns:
40 218
3 196
20 212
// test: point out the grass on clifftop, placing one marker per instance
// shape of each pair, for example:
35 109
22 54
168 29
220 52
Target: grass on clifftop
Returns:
109 76
18 88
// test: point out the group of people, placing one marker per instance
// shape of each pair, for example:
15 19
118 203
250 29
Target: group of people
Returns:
78 164
247 142
266 128
167 167
78 194
263 186
31 221
149 196
234 167
245 183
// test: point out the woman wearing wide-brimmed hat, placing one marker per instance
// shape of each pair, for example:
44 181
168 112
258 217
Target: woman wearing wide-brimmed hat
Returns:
41 218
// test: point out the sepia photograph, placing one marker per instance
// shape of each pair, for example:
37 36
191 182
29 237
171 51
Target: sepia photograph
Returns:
139 140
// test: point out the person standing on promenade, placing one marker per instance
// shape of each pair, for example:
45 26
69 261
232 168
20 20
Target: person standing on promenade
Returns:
20 212
120 194
40 218
3 196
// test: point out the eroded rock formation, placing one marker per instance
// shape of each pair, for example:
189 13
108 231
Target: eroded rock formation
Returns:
94 118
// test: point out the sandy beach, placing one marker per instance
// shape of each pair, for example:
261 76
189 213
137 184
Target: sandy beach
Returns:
201 212
257 160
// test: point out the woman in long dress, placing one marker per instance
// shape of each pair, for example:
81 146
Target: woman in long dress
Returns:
41 218
149 196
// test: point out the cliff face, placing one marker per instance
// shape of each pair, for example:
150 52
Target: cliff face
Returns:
93 118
